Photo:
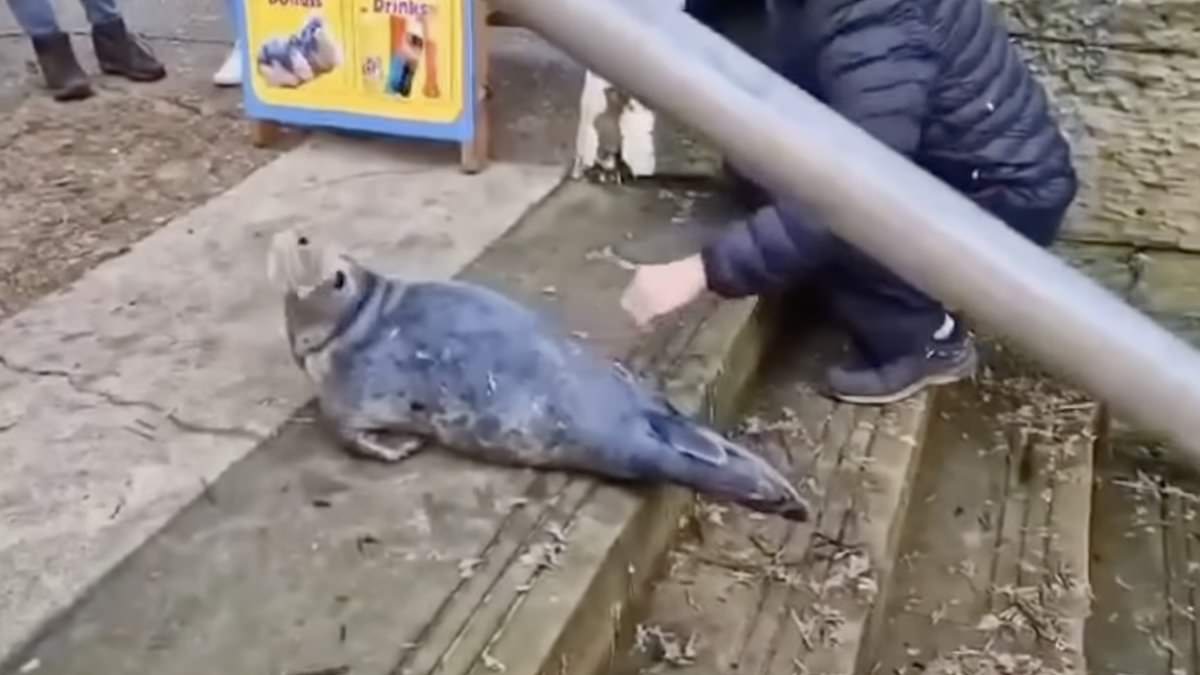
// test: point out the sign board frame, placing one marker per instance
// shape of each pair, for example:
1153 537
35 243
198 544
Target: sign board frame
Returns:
469 127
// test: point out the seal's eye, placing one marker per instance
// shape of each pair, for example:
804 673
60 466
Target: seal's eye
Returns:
339 279
303 241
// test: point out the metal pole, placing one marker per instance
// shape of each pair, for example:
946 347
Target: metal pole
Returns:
884 204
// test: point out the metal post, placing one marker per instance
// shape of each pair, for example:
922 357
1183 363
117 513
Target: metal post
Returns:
884 204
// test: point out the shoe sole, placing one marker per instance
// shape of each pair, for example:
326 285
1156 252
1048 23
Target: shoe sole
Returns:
78 93
964 371
135 77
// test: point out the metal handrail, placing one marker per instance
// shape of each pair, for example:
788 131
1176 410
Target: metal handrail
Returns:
883 203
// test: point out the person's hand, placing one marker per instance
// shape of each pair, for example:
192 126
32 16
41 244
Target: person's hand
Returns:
661 289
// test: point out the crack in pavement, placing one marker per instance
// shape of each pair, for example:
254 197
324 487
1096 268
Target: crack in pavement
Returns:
115 400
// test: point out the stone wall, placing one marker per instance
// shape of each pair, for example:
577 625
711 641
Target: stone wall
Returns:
1125 76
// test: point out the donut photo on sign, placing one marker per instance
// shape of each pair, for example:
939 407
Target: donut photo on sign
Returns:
294 60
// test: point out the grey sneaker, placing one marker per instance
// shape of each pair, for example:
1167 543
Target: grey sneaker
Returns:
942 362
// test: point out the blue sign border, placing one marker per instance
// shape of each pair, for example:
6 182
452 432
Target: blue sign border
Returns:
461 130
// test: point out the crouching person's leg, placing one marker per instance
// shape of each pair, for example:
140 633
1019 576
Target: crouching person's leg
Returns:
906 340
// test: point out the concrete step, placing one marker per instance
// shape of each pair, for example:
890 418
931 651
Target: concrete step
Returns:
1145 562
301 559
746 594
1004 565
1145 565
994 571
953 535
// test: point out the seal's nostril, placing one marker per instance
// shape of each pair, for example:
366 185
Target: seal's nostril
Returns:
303 241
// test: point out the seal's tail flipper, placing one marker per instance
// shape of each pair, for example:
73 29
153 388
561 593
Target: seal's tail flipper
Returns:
713 465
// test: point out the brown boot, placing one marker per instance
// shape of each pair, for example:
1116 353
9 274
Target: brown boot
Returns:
65 79
121 53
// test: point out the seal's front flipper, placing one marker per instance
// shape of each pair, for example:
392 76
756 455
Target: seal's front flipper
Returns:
391 447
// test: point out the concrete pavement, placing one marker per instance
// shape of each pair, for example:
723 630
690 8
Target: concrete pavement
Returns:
128 395
302 559
121 396
124 395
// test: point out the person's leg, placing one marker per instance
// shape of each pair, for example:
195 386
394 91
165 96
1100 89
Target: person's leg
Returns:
118 51
101 11
230 72
35 17
1036 212
906 340
888 317
60 69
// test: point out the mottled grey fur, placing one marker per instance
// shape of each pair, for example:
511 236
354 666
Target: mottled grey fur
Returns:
469 369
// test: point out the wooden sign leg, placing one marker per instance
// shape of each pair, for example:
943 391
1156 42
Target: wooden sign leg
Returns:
476 152
265 133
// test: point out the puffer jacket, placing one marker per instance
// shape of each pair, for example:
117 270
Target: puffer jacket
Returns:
936 80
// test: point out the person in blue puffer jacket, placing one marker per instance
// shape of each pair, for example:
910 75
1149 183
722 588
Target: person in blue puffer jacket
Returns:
940 82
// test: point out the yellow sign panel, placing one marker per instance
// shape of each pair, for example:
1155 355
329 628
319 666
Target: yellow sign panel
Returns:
398 59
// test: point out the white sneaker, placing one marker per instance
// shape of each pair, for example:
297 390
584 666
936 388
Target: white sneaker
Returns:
230 73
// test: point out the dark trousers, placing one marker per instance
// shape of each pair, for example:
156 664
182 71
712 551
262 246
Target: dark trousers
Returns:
886 316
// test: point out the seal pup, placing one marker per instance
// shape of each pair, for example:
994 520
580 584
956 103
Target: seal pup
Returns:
401 365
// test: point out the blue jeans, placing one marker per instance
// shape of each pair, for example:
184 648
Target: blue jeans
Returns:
36 17
231 14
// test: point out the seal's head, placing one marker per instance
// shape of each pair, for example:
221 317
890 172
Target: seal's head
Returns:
323 290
